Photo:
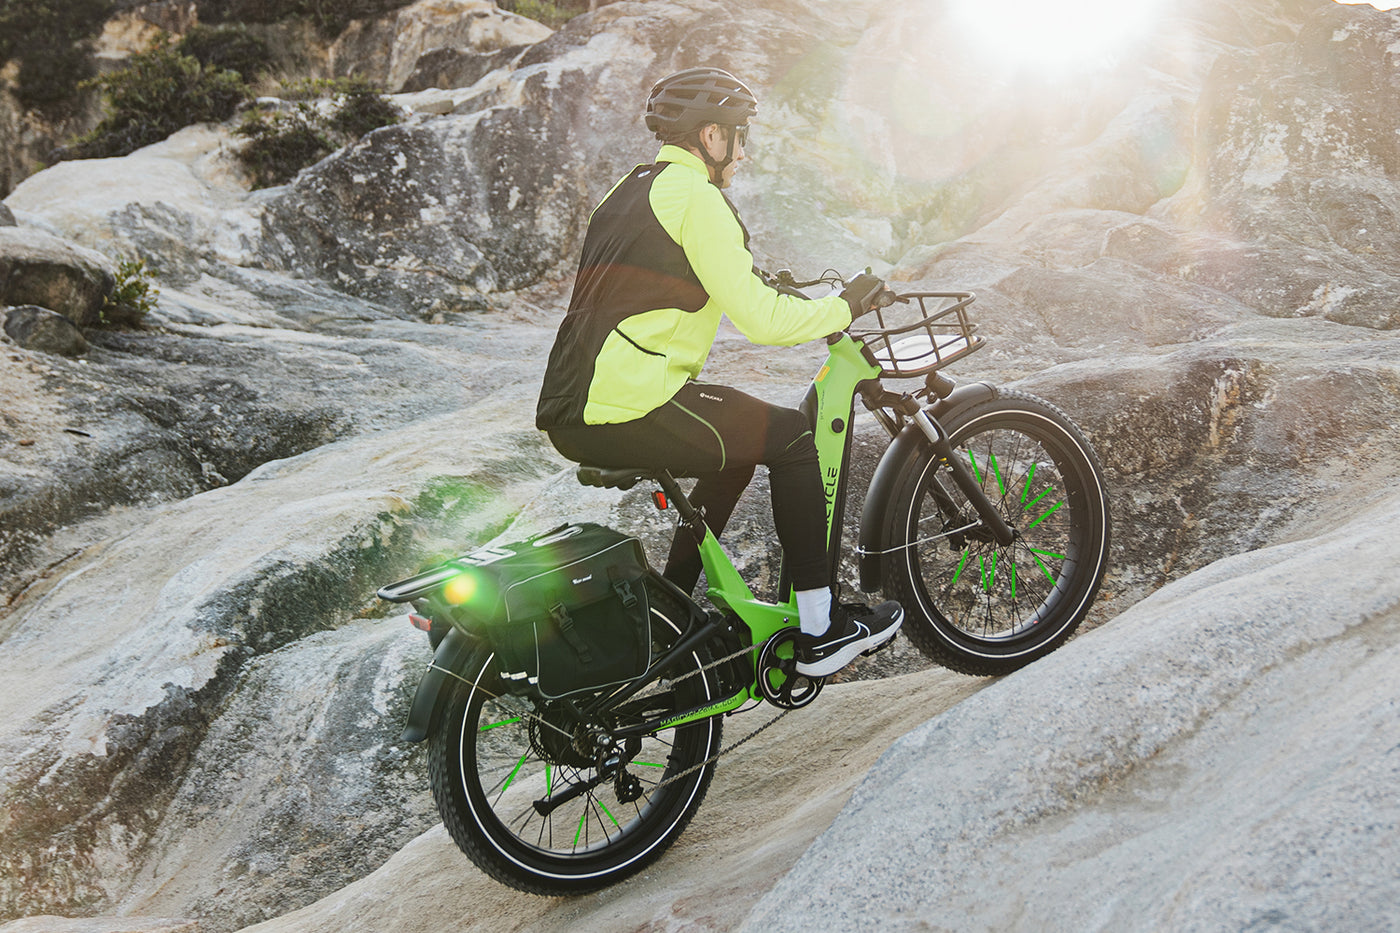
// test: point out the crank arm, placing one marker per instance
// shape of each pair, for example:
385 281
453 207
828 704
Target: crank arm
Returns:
964 480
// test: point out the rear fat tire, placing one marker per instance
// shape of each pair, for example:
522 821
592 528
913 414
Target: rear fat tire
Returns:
488 761
972 605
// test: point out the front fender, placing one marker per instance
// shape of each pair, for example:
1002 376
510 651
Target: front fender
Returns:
452 654
899 457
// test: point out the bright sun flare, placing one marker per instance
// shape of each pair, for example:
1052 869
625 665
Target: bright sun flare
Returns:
1053 33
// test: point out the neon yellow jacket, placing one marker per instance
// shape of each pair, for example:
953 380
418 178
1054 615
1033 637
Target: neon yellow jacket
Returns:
664 257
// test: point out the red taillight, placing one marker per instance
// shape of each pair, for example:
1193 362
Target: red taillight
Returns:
420 623
659 498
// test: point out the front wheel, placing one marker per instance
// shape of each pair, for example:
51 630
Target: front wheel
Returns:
971 604
539 803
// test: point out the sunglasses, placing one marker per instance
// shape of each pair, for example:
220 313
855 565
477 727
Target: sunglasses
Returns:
741 134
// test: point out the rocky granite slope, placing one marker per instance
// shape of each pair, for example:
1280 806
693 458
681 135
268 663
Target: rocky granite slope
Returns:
1192 252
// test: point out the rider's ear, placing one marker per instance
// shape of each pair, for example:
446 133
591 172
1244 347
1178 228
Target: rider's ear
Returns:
711 136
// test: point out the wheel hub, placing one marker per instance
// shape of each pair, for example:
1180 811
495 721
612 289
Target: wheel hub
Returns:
559 741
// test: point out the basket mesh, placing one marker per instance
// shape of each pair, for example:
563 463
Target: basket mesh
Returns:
920 333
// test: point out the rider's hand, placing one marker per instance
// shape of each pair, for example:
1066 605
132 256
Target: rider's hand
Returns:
865 292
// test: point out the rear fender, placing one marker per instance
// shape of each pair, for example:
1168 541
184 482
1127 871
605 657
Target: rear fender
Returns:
451 657
899 457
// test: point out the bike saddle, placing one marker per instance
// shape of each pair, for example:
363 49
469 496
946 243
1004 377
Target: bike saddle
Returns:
612 477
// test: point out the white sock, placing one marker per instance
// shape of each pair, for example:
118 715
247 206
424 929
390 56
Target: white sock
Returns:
814 610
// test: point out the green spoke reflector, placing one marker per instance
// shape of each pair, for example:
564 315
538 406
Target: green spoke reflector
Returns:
961 564
1054 508
503 722
516 770
1031 504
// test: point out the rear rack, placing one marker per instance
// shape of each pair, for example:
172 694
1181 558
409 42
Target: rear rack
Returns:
919 333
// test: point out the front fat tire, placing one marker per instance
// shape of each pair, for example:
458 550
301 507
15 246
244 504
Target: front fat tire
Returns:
971 605
487 767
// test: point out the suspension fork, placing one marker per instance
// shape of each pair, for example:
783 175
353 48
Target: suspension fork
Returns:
962 476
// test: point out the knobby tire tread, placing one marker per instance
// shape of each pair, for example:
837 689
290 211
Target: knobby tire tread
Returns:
471 838
925 633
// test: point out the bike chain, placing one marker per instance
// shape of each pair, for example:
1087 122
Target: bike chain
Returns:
722 752
664 682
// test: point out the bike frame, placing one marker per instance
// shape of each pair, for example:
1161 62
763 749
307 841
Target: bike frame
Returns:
849 370
832 400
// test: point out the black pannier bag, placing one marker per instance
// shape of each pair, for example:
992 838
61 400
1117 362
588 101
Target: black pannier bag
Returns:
565 611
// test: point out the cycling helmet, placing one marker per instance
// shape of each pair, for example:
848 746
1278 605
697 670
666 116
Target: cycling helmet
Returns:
687 100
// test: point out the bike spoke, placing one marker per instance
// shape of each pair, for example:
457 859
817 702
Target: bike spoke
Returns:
984 589
1053 509
528 790
516 766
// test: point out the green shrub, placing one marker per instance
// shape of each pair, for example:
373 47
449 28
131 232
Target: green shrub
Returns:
361 108
232 47
158 92
552 14
318 88
49 39
134 296
282 143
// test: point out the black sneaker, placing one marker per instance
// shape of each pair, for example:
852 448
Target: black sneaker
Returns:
849 636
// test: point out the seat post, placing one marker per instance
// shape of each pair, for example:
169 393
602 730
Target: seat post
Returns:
689 514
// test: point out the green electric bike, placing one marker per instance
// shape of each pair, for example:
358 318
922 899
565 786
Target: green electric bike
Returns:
986 518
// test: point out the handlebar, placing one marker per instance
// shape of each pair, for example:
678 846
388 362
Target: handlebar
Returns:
784 281
932 330
784 278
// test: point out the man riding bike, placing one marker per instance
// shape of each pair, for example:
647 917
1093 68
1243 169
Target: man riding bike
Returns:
665 256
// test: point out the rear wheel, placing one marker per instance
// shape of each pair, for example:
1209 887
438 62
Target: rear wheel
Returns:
971 604
540 803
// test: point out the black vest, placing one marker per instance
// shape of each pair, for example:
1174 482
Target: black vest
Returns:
629 265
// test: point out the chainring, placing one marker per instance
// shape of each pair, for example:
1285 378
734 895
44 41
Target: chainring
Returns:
778 680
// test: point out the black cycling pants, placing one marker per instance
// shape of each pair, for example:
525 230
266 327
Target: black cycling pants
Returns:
718 434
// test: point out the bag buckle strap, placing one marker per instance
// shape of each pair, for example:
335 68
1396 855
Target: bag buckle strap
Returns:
623 588
565 624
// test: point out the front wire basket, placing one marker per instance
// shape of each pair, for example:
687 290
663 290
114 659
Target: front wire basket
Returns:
920 332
